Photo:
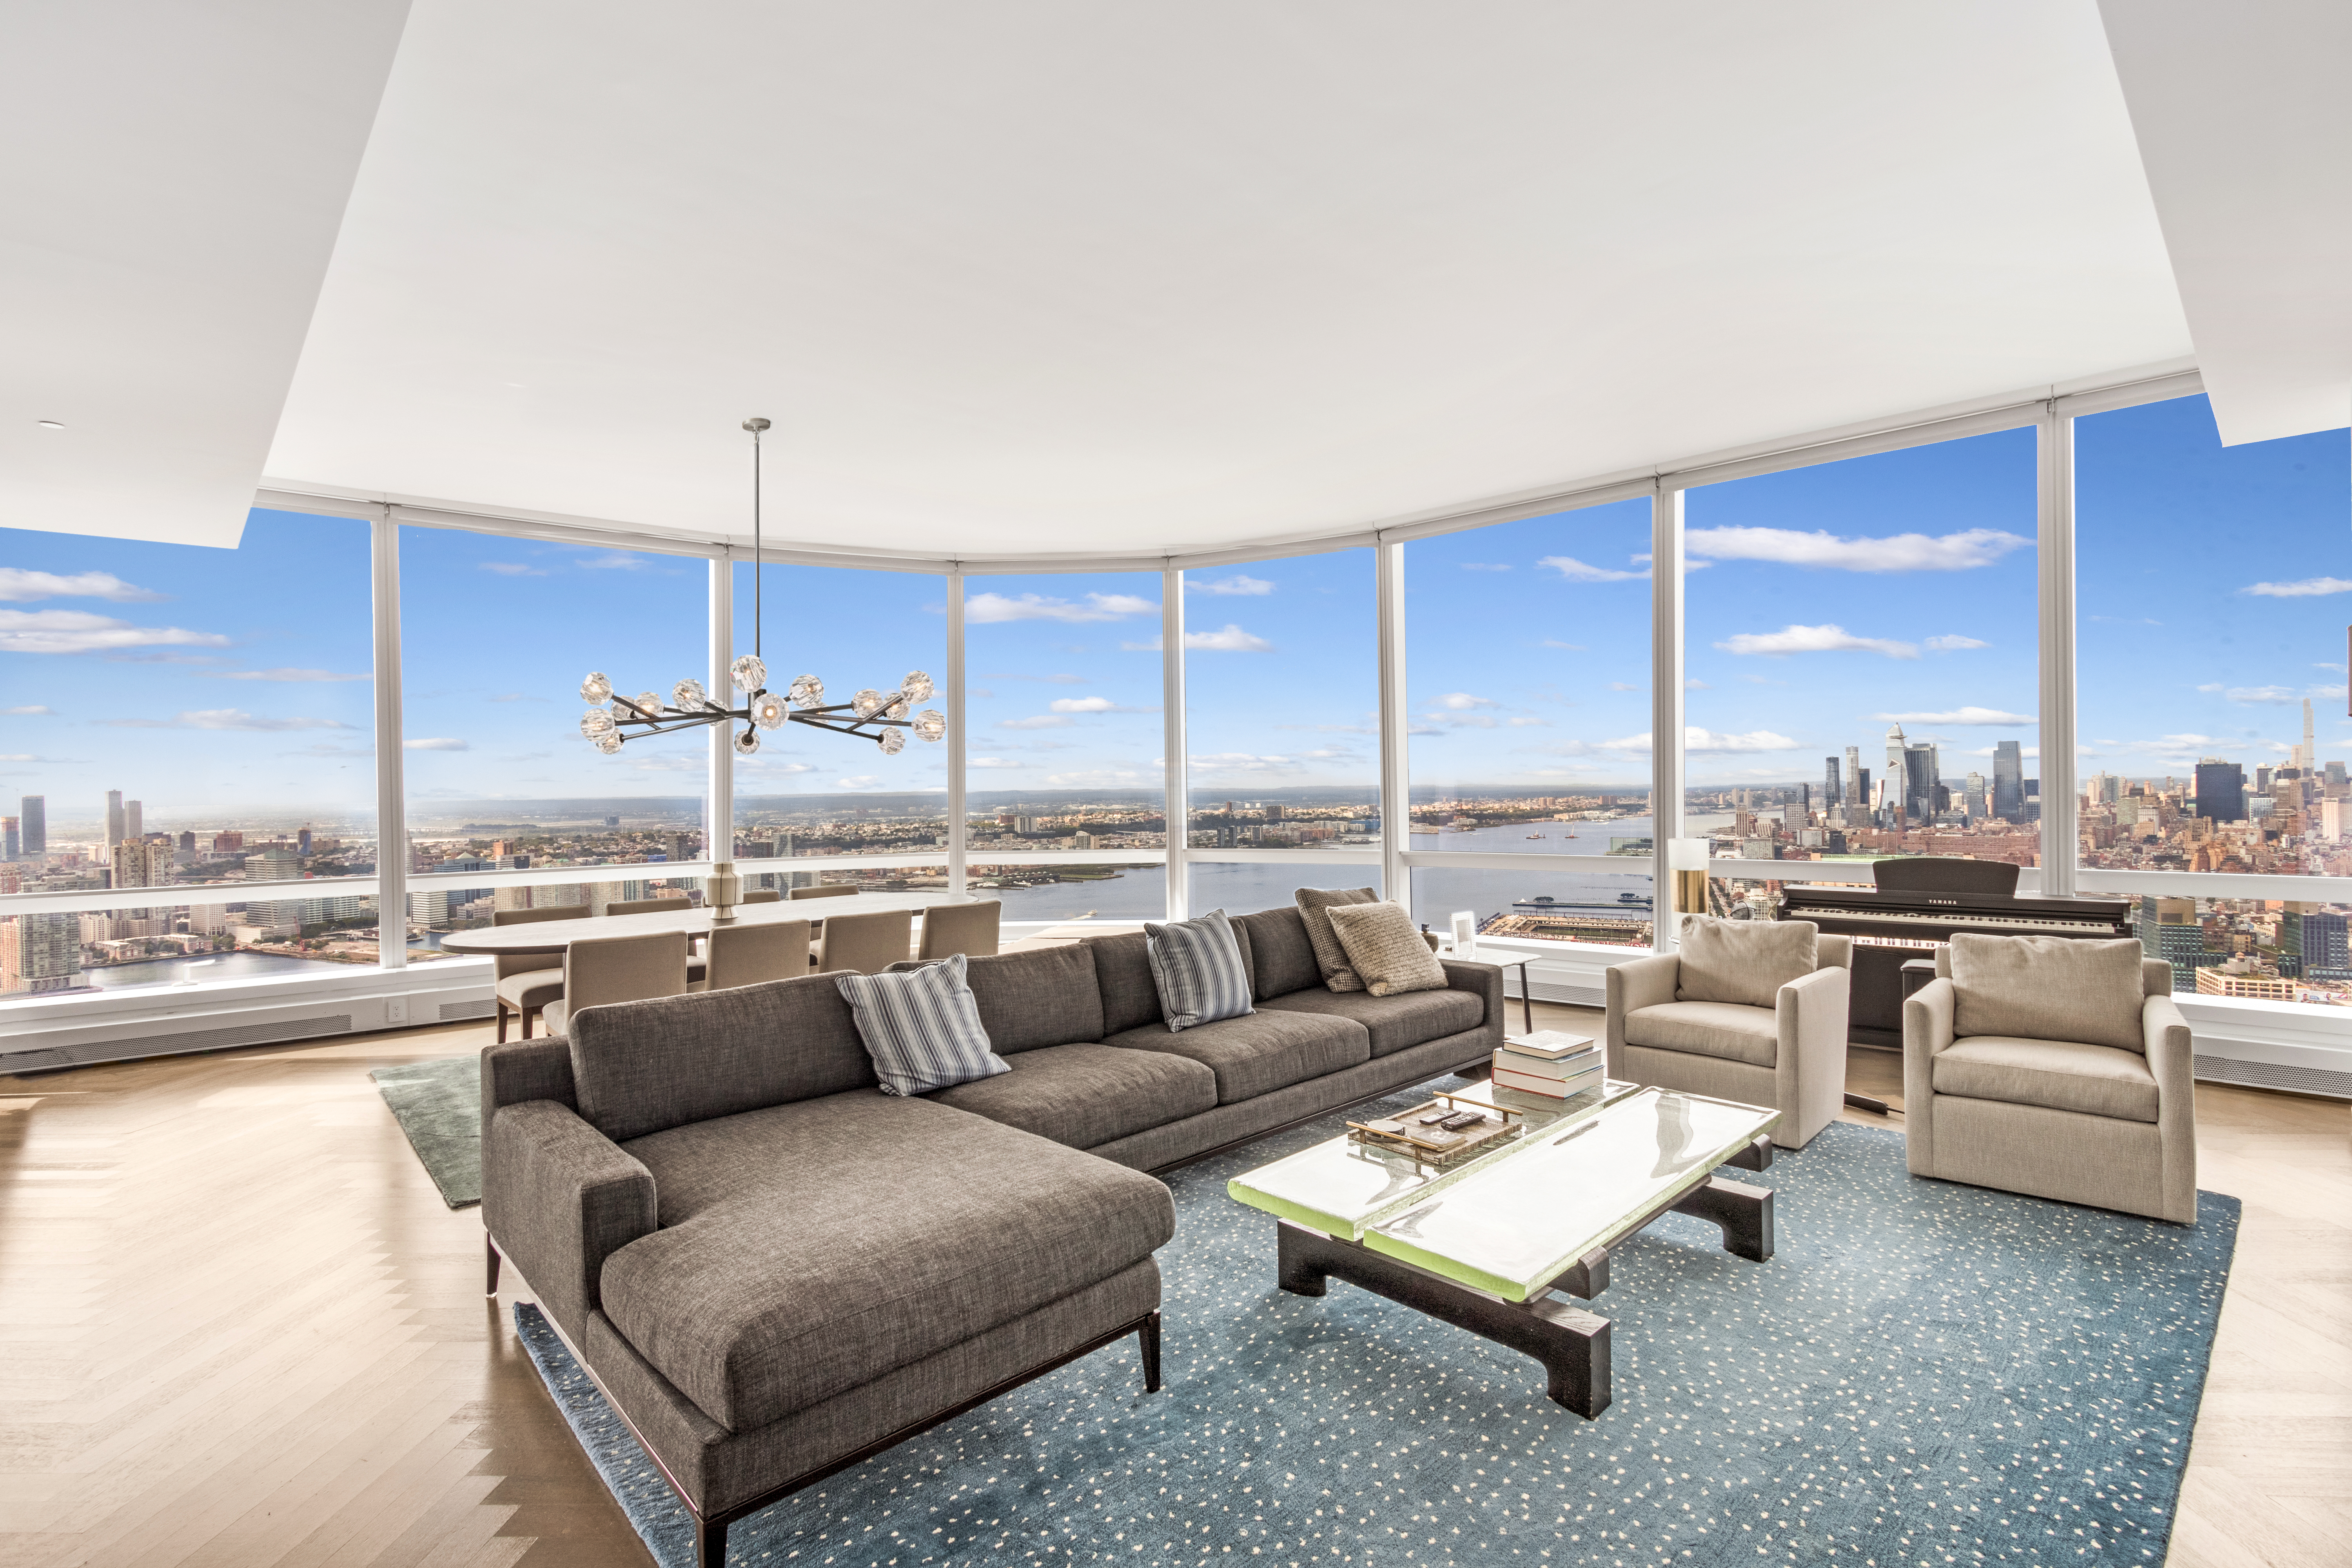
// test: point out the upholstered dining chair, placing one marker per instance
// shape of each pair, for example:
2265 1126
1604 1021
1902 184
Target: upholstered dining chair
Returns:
608 969
1753 1011
825 890
869 943
696 969
967 929
750 955
527 982
2055 1067
764 896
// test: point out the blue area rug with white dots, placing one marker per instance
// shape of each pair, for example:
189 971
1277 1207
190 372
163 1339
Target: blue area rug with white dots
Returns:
1924 1374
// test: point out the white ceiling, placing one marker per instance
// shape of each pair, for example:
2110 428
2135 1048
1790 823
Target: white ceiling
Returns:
2244 122
1068 277
174 180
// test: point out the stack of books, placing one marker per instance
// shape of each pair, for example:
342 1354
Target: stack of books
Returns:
1549 1063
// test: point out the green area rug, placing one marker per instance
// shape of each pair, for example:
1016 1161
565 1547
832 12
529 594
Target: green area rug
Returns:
439 1104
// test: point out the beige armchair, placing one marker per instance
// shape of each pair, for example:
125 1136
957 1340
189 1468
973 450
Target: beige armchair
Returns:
2110 1122
1759 1016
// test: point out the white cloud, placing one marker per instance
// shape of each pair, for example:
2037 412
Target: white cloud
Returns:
29 709
982 609
1526 723
1576 570
435 743
1035 721
1462 702
980 691
1056 680
1099 778
225 718
612 560
1565 646
860 780
1093 705
1900 552
18 585
78 631
516 569
281 674
1698 743
993 763
1624 686
1242 763
2303 588
1815 639
1245 585
1959 716
1952 642
1462 721
1486 566
1694 684
1233 639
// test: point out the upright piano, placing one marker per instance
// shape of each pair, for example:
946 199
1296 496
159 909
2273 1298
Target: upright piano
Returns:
1914 907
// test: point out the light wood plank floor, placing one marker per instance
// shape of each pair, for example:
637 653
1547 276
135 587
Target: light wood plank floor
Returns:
238 1327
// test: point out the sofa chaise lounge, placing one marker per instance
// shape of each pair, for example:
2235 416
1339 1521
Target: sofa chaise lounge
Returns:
775 1270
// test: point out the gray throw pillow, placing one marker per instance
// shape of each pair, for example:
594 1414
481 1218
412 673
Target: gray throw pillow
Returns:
921 1028
1745 961
1196 965
1387 954
1329 957
2049 988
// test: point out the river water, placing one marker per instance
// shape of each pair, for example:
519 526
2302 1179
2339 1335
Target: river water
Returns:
208 968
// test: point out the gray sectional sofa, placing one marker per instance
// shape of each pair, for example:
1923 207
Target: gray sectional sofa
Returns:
775 1270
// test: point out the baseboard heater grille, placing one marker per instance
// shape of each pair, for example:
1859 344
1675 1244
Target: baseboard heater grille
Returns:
174 1045
2271 1075
452 1011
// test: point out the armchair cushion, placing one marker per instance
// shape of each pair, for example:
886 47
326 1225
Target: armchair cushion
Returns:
2048 988
1743 962
1724 1029
2062 1075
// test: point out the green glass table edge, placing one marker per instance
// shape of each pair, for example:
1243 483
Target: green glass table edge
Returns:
1521 1290
1610 1092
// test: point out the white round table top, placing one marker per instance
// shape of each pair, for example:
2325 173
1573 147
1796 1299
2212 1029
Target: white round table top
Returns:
554 936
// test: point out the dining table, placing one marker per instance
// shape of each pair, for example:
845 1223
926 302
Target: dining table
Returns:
554 936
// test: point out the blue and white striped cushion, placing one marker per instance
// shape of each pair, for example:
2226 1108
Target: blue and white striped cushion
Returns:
1197 966
922 1029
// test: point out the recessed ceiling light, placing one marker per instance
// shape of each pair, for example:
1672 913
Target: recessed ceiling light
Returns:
50 425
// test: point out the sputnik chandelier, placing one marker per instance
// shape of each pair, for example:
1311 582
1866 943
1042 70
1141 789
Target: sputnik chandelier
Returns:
884 718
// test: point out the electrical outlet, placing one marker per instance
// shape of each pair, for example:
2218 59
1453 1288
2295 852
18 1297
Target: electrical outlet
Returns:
395 1009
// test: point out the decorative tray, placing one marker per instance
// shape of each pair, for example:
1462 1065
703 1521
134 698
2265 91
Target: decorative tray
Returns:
1424 1134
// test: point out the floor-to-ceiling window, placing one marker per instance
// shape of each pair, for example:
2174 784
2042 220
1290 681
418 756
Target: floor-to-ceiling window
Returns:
1282 713
807 793
497 635
2212 590
1065 738
189 718
1861 658
1528 686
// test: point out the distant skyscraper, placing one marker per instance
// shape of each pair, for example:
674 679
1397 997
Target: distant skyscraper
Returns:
1832 797
302 842
133 827
113 818
2306 754
2221 790
187 841
2007 781
11 843
34 823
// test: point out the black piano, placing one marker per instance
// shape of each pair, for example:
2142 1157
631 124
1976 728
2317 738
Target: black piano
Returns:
1913 909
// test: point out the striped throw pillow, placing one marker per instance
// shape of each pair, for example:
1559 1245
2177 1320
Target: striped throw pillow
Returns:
1197 966
921 1028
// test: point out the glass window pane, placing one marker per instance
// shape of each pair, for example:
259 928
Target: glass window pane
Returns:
182 715
2213 734
1537 903
1244 888
1862 655
1282 697
496 635
2263 950
444 902
809 791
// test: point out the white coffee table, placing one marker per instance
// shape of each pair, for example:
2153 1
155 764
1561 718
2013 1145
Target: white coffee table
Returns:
1486 1246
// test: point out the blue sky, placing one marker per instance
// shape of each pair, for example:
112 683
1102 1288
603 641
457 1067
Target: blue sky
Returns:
232 686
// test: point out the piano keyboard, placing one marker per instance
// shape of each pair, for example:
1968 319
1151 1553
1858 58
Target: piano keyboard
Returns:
2012 925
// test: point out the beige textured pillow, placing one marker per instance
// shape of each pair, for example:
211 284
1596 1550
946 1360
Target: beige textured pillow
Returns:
1387 954
2049 988
1745 962
1330 956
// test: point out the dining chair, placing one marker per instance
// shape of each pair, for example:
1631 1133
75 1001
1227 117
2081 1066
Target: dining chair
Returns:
967 929
751 954
602 970
695 969
826 890
868 943
764 896
527 982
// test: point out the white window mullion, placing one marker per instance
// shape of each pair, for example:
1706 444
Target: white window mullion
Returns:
390 779
719 798
2054 542
1665 707
1174 773
958 746
1396 770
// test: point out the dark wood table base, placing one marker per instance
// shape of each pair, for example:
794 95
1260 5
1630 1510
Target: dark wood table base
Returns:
1571 1342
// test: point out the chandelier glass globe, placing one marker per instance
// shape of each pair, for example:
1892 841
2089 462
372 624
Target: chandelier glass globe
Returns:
687 696
805 691
597 722
595 688
767 710
892 742
916 687
930 724
749 673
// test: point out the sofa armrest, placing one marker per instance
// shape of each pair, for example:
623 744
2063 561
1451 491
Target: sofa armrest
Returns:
1633 986
1484 980
559 1198
2171 1058
526 1069
1927 1030
1811 1015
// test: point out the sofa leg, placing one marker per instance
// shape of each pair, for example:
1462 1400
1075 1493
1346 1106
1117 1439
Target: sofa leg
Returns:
490 1286
710 1542
1148 1337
